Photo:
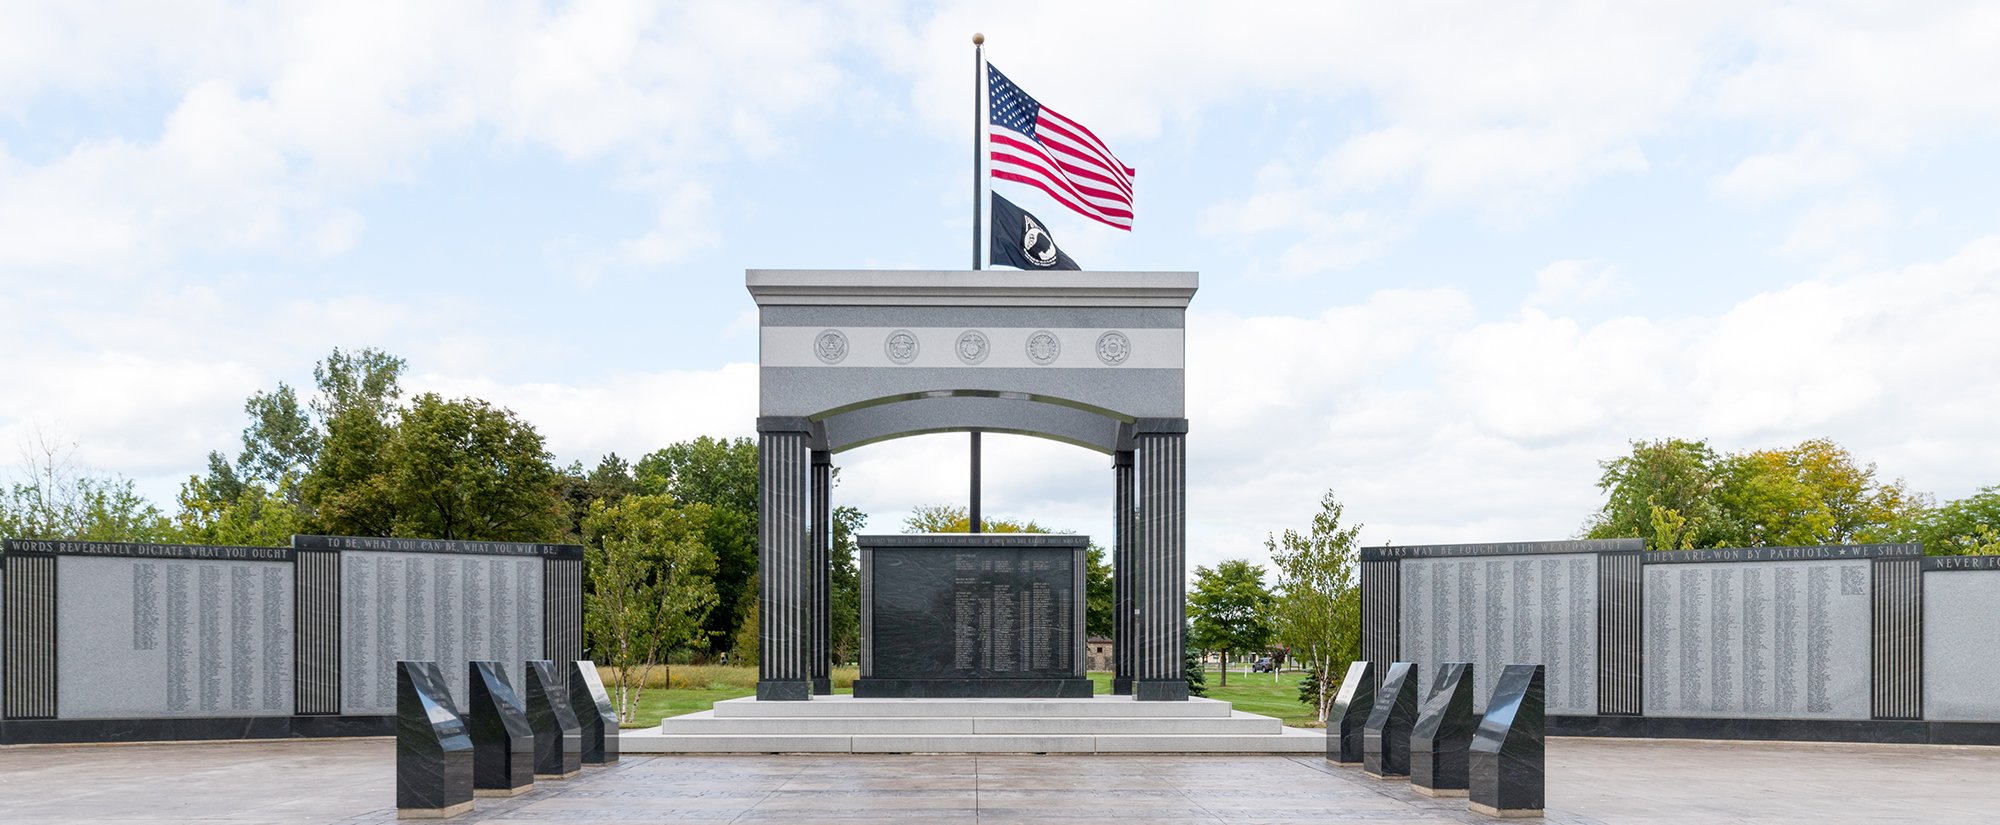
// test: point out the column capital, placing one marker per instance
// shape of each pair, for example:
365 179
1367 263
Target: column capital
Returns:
784 424
1157 426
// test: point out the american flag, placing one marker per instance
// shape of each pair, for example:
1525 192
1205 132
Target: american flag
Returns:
1032 144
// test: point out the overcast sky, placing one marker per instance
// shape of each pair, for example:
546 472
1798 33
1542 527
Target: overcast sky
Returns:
1450 258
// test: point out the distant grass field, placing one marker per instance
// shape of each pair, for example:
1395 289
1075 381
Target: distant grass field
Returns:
698 687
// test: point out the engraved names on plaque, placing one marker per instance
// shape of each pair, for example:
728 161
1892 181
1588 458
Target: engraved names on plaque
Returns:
1779 639
1494 611
949 610
167 635
451 608
1011 615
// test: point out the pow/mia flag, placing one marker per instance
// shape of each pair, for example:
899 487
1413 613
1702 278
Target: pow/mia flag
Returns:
1020 241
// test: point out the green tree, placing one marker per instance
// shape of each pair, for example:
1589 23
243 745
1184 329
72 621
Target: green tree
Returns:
721 473
55 499
1318 612
1814 493
844 587
279 445
447 469
945 518
1663 491
1098 594
1230 609
1966 527
650 586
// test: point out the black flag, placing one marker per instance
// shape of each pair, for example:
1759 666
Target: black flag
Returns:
1019 240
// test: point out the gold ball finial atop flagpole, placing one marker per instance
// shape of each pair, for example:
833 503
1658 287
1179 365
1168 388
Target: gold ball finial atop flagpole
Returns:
978 39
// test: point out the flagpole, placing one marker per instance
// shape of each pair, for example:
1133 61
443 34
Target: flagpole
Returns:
978 151
978 214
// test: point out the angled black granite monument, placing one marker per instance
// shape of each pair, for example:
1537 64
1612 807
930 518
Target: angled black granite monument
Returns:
558 737
433 750
1507 771
593 713
503 744
1347 720
1386 739
1443 733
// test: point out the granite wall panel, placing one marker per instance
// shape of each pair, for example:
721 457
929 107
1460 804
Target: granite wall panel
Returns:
167 637
1494 611
450 608
1767 639
1961 657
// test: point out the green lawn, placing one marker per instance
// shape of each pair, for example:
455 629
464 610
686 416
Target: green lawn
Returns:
1253 692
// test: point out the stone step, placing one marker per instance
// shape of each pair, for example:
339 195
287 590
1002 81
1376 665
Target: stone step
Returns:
1291 740
709 723
846 705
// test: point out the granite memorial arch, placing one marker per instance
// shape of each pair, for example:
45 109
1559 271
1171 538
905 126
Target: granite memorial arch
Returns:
852 358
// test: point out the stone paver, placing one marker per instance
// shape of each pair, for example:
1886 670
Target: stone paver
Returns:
1591 781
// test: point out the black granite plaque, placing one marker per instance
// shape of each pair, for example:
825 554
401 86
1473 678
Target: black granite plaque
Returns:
973 615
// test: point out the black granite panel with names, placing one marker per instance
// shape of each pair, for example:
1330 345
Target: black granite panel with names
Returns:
987 615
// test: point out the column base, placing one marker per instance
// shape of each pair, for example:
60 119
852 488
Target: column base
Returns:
1121 686
773 690
822 686
1163 691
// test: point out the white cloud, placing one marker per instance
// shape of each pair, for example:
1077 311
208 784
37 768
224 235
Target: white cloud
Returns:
1833 226
1572 282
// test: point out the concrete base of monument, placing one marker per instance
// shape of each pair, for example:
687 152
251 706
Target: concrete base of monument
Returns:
1098 724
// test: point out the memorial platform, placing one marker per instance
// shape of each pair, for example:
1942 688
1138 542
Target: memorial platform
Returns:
1099 724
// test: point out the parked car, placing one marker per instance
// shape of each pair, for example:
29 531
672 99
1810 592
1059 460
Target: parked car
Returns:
1263 665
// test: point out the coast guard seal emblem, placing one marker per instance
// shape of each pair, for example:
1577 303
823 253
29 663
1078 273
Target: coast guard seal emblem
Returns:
1113 348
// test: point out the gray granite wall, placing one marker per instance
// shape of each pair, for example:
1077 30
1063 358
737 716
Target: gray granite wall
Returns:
1766 639
451 608
1961 660
165 637
1494 611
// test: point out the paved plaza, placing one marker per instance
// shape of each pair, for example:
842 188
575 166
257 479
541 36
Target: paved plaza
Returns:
1590 781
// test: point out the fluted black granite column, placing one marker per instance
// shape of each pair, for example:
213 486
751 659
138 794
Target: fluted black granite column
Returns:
1386 740
1122 539
1507 774
1443 733
822 571
596 721
433 749
503 744
558 737
1160 588
784 559
1347 720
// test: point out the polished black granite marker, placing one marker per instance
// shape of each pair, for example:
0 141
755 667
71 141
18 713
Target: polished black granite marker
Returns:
558 737
593 713
1508 777
1347 720
1443 734
965 616
1386 739
433 750
503 744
